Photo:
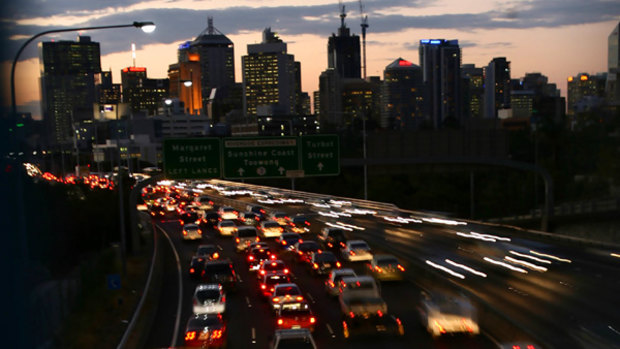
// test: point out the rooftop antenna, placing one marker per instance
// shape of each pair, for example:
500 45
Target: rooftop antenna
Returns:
210 28
343 14
133 53
364 25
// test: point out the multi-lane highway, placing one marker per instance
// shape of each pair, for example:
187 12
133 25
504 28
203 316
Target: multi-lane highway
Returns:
525 289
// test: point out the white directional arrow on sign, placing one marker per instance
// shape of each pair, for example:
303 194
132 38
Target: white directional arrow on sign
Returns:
240 170
281 170
320 166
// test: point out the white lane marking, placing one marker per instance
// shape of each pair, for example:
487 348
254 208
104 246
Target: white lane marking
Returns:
253 335
177 322
220 247
310 296
329 328
239 278
247 300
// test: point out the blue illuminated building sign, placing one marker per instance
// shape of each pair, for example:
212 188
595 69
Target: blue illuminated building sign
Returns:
184 45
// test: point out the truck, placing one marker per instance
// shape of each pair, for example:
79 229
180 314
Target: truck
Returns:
364 312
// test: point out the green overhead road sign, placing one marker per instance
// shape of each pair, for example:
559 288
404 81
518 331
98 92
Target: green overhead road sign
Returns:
192 158
320 155
260 157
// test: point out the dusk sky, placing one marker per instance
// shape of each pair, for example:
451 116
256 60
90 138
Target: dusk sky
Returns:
557 38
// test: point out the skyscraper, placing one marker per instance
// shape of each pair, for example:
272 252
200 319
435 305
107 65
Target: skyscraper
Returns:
68 71
441 71
217 65
585 88
343 52
269 77
142 93
473 91
186 82
496 87
404 96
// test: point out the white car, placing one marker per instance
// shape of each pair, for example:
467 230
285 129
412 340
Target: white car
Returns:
270 229
443 313
227 212
285 293
209 299
357 250
191 232
226 227
332 283
281 217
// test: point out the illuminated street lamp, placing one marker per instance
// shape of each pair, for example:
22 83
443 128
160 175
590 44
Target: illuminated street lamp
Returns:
147 27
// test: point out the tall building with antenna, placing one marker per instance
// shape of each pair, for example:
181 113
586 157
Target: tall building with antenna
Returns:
217 67
343 51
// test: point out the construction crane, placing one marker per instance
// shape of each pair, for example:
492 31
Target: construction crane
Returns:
364 25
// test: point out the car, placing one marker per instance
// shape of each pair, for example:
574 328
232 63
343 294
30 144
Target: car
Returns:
244 236
226 227
268 282
322 263
271 266
206 331
300 224
270 229
196 265
295 316
258 244
227 212
285 293
259 210
191 232
447 313
249 218
332 238
528 345
356 250
281 217
304 249
372 325
287 240
157 211
385 267
209 252
209 299
258 254
204 202
333 280
298 338
188 216
210 219
220 271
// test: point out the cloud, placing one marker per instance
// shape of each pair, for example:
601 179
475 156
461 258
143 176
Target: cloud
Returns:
178 24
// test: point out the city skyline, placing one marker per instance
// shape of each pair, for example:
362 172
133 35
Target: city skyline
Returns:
556 38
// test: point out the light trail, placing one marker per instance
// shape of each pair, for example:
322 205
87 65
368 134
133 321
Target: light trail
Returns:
505 265
526 264
469 269
530 257
447 270
551 257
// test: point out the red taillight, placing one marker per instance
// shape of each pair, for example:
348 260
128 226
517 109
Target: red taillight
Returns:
237 240
257 239
280 321
250 258
190 336
285 271
329 244
216 255
352 253
398 321
216 334
401 268
338 264
284 242
262 272
312 320
199 231
263 286
191 270
184 232
273 256
307 223
315 266
276 300
380 313
299 298
351 315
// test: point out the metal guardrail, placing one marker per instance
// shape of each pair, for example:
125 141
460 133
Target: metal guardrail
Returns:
568 209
